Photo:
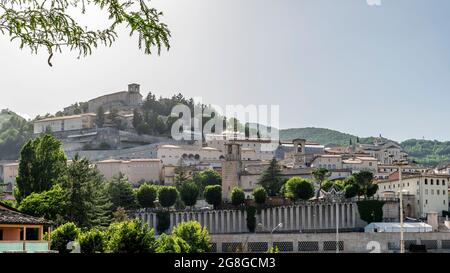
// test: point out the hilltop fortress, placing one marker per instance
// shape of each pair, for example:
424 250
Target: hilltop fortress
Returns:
121 101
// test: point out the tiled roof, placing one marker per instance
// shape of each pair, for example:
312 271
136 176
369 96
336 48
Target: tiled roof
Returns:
11 216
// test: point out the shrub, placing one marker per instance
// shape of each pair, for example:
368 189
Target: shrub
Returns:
163 218
189 192
237 196
251 218
130 237
298 188
146 195
370 210
167 196
213 195
93 241
260 195
64 234
196 237
171 244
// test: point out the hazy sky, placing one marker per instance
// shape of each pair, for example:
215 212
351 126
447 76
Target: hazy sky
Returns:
339 64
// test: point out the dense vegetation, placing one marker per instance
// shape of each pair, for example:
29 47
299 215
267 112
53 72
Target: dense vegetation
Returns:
427 152
14 132
323 136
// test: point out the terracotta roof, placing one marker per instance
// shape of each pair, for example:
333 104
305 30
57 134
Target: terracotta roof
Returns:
11 216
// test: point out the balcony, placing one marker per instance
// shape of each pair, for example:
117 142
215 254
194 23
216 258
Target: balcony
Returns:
24 246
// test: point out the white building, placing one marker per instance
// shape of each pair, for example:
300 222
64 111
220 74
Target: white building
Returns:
358 164
430 192
330 162
187 154
65 123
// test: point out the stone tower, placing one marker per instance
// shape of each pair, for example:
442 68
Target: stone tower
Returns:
231 169
299 153
134 88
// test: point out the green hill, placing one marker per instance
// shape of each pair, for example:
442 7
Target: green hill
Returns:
427 152
321 135
14 131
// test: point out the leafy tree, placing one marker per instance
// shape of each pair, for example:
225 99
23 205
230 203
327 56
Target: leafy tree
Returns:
171 244
146 195
85 194
121 193
237 196
130 237
100 119
42 162
271 178
196 237
48 25
92 241
189 193
50 204
298 188
64 234
207 178
137 118
371 190
167 196
260 195
364 180
351 190
327 185
320 175
213 195
120 215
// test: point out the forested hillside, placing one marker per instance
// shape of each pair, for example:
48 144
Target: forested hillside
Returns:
14 131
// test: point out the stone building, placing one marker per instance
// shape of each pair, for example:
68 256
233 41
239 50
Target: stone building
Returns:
65 123
231 169
136 170
123 100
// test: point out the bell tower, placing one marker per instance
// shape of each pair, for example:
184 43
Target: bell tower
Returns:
231 169
299 153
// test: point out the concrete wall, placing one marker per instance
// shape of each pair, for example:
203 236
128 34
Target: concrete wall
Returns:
326 242
305 217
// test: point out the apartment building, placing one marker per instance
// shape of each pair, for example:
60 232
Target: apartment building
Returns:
430 192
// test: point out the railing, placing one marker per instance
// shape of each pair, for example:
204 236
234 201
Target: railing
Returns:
23 246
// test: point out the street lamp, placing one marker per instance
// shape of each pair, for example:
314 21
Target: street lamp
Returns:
280 225
399 164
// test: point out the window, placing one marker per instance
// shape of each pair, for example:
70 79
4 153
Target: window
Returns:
426 181
432 191
408 184
426 191
437 182
426 201
443 182
417 183
431 182
443 192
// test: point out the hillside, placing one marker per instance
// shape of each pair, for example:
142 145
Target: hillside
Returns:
321 135
14 131
427 152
